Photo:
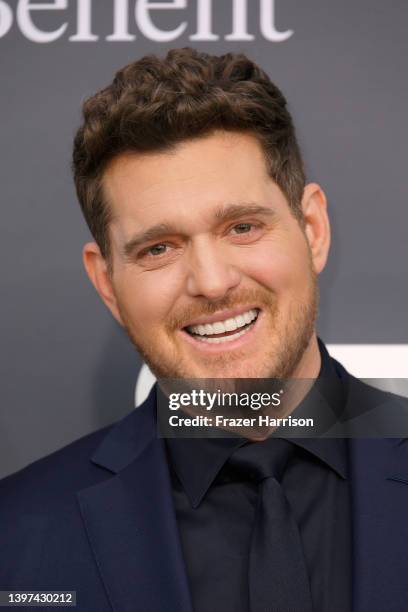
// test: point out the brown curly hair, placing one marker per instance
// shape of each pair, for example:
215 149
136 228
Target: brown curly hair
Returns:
155 103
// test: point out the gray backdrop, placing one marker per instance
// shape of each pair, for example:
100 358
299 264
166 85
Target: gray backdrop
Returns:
66 367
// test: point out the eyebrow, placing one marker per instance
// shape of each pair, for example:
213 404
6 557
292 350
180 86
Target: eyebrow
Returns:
223 213
232 211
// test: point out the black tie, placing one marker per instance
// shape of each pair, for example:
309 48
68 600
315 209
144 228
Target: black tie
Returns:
278 578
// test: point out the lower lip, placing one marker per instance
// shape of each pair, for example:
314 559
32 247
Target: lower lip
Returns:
229 345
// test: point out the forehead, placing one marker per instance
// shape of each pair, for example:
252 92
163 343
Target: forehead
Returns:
196 177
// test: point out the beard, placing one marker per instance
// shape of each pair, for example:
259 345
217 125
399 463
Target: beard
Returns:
288 336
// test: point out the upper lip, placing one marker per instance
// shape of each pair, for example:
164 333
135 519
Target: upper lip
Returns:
221 315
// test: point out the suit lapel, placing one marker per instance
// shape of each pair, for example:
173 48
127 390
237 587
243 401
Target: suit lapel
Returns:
130 520
379 479
378 468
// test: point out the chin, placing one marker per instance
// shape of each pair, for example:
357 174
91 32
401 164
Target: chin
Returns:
241 369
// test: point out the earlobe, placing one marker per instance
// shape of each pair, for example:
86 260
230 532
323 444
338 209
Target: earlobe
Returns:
97 269
317 225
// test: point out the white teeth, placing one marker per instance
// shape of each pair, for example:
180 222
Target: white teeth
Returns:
247 317
220 327
240 321
223 338
230 324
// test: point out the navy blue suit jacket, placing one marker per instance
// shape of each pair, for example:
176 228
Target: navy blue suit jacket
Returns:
97 517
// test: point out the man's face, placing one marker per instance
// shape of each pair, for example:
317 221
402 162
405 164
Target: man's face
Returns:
212 276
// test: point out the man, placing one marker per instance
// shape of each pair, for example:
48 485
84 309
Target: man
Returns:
208 244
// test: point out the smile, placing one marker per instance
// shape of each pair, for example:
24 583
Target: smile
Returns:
226 330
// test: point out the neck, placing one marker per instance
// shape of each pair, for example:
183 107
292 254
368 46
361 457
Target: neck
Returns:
309 365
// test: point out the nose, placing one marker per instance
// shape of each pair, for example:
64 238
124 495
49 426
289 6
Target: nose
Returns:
210 274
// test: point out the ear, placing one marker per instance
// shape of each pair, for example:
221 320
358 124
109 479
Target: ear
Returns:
97 269
317 225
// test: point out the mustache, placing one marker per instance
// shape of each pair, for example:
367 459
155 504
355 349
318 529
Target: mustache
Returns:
252 298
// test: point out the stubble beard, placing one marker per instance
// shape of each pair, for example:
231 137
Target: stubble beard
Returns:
291 337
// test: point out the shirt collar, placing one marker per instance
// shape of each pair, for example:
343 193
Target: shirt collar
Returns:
197 461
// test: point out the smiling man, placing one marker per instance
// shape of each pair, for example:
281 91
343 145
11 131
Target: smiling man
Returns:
206 224
207 247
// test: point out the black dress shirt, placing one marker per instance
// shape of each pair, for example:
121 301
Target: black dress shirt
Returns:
215 513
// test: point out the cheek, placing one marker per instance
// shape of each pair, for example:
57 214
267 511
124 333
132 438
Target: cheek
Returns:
147 298
278 267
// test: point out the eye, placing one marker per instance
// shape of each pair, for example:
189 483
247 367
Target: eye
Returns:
242 228
156 249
